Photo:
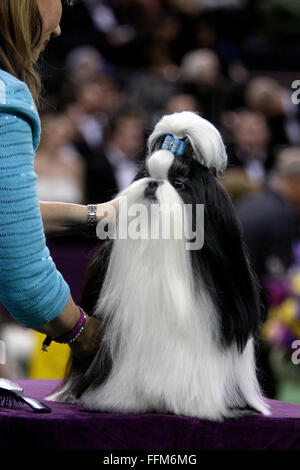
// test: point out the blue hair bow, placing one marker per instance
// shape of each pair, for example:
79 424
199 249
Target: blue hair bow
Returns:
173 145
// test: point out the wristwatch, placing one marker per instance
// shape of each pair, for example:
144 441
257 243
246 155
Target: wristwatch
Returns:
92 221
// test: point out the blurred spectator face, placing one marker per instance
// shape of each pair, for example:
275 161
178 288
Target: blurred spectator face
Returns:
287 170
238 184
161 63
83 64
111 95
289 186
91 97
128 135
205 35
250 131
264 94
188 7
294 183
201 66
183 102
101 95
167 30
57 131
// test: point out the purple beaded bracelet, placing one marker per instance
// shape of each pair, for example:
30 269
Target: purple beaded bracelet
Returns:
70 336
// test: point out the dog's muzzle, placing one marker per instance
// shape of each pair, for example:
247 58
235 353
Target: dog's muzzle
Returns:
150 190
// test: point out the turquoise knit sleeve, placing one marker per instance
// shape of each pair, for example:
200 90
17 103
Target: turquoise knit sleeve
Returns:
31 288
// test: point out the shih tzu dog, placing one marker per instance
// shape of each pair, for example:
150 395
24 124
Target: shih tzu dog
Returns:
178 316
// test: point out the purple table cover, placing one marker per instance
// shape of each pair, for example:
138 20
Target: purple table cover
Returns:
70 427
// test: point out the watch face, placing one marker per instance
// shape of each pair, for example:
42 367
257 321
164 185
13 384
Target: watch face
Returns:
92 221
92 209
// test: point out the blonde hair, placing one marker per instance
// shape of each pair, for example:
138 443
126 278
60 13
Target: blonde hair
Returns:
20 34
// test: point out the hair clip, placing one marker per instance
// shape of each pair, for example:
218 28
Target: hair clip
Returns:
173 145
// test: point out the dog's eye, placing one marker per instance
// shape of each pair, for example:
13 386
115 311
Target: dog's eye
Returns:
178 184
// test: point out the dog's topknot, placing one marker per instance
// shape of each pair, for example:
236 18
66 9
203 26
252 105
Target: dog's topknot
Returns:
204 138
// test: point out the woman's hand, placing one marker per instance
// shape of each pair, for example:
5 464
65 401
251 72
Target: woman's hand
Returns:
63 218
87 344
108 209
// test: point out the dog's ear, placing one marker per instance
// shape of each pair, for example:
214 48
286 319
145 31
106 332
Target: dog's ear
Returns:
223 262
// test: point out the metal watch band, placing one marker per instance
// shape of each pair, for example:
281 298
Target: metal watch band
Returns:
92 221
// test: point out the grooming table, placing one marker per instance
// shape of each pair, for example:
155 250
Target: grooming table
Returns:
69 427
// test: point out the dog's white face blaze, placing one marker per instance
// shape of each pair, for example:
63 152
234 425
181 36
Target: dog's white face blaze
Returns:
164 277
163 328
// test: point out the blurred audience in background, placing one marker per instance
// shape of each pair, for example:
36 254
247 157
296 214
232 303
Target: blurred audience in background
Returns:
60 168
270 218
115 165
83 64
238 184
202 76
270 225
119 66
182 102
249 145
267 95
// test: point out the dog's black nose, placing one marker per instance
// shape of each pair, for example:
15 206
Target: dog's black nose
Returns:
151 189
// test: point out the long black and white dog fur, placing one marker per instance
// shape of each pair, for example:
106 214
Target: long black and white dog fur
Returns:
178 326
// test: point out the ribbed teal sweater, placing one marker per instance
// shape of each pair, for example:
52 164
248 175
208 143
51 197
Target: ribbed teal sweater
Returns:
31 288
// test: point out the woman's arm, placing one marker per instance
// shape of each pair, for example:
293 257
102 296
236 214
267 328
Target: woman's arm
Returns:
61 218
31 288
87 343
